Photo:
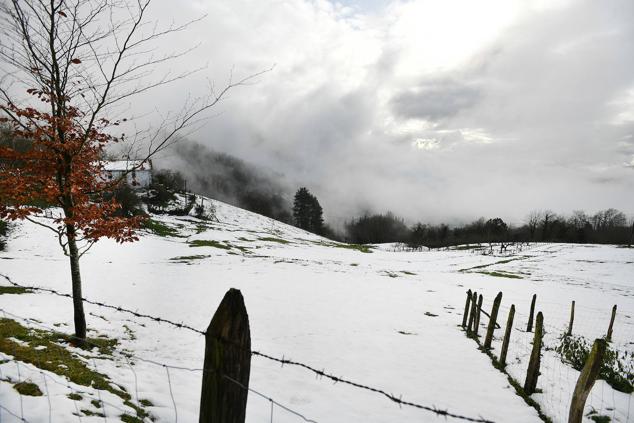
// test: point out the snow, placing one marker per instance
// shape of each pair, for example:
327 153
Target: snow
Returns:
333 308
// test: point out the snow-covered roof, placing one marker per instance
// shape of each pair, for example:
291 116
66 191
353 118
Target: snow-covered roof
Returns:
123 165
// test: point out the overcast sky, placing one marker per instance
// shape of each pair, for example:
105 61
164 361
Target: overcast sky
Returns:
436 110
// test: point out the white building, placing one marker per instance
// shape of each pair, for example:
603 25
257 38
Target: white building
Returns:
139 176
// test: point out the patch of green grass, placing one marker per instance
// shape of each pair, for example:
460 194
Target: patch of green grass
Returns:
187 258
354 264
501 274
47 351
92 413
75 397
241 248
482 266
201 227
209 243
129 332
273 239
405 272
16 290
160 229
358 247
28 388
126 418
146 402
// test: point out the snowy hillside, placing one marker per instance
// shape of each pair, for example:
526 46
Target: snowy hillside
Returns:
383 318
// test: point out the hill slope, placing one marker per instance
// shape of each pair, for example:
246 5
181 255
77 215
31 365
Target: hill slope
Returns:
385 319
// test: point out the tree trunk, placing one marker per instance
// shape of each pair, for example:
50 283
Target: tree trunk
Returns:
75 274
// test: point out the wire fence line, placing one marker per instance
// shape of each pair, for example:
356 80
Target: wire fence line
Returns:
561 364
320 373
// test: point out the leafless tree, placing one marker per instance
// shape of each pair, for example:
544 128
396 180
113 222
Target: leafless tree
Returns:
532 221
92 57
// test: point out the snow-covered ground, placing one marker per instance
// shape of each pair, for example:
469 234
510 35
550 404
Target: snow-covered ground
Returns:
386 319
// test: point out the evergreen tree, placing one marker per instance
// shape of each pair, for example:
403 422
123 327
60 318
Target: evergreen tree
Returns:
307 212
316 218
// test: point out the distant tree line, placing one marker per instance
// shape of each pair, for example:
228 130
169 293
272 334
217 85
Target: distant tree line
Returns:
604 227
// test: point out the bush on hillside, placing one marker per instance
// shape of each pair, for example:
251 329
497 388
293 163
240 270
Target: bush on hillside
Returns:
165 185
617 368
130 202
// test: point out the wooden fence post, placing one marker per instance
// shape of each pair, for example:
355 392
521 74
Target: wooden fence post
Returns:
586 380
529 326
227 363
466 310
492 321
572 318
609 335
477 317
474 300
507 336
533 365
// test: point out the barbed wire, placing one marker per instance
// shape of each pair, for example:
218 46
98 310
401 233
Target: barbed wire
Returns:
104 305
392 397
319 373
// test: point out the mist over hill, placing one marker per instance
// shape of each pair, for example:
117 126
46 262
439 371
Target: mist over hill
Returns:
230 179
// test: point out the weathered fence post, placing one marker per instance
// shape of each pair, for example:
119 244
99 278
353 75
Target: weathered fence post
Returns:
492 321
227 363
572 318
529 326
586 380
477 317
474 300
466 309
609 335
533 365
507 336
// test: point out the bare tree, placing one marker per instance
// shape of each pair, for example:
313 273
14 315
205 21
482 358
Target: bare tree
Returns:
68 69
532 221
547 219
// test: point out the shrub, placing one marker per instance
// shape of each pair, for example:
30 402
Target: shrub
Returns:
131 204
617 368
4 229
205 212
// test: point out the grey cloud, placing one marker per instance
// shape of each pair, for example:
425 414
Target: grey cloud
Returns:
543 91
435 100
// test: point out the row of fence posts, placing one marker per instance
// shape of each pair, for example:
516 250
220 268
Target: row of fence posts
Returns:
589 373
227 360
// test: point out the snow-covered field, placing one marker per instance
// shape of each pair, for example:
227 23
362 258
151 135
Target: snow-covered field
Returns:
386 319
